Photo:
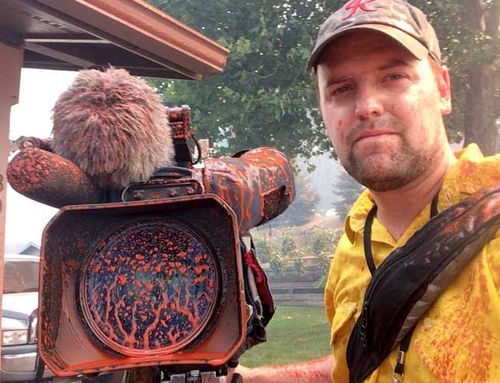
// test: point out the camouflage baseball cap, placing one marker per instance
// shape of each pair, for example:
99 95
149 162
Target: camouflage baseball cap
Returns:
396 18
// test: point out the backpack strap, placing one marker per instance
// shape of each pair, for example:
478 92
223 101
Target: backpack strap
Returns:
413 276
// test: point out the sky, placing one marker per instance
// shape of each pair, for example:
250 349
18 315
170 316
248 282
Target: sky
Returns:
39 90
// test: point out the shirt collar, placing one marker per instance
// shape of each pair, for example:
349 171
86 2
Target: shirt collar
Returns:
461 179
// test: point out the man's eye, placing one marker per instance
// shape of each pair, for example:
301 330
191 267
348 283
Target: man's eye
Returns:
395 76
341 89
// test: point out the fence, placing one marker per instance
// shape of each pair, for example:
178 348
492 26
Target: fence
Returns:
292 289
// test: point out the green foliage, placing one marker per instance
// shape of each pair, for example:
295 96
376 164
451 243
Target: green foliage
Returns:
298 261
462 44
265 97
324 261
323 240
298 246
287 245
322 244
276 264
262 249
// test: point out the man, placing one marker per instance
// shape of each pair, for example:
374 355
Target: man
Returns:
382 92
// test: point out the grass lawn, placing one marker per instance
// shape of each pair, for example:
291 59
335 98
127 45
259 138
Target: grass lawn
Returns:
294 334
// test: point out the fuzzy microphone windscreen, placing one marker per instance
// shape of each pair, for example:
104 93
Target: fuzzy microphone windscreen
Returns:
113 126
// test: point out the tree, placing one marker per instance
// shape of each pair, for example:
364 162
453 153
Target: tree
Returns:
265 96
263 250
468 33
347 190
482 18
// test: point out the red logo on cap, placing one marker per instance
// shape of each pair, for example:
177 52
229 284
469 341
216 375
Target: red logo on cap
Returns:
354 5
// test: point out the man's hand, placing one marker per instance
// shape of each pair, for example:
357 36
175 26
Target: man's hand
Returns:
314 371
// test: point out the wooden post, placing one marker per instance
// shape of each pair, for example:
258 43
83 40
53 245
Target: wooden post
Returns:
11 61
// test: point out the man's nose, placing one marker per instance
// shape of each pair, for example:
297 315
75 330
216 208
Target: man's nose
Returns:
368 104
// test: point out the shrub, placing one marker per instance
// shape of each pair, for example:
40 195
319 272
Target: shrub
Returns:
276 264
287 245
262 249
324 261
322 240
298 261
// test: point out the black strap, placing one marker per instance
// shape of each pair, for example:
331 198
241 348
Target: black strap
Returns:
434 205
367 232
399 369
367 239
367 245
399 292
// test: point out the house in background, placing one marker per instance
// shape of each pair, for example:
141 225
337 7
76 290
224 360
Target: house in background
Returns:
30 248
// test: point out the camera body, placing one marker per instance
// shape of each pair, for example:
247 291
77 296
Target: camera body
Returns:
158 275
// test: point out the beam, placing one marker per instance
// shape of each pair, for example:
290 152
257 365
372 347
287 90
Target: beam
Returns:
11 61
62 38
58 55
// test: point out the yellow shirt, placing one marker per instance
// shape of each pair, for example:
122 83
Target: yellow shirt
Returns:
458 339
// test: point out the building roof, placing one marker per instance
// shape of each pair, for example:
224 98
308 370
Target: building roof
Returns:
130 34
30 248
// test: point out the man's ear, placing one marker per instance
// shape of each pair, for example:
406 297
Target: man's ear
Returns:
444 88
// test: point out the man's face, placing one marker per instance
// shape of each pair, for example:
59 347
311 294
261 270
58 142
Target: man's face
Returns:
382 109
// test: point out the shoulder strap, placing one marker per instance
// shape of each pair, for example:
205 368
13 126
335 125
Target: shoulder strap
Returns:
413 276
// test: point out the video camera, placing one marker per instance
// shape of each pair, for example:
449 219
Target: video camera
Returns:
161 274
